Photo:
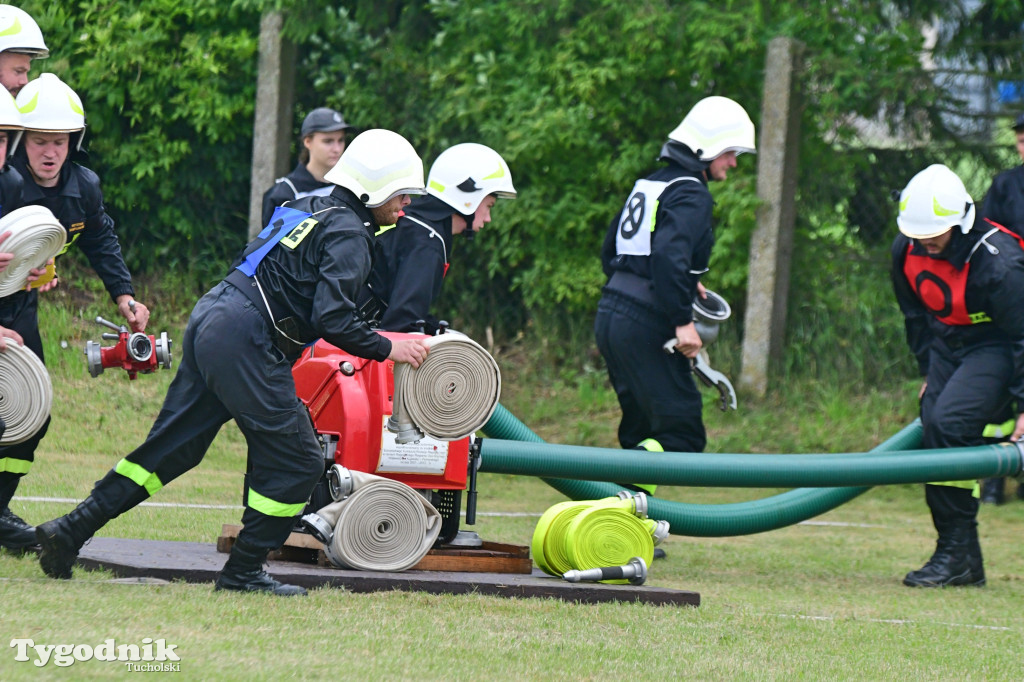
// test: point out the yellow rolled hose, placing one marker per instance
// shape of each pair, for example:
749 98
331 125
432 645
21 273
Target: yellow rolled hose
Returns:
607 536
594 534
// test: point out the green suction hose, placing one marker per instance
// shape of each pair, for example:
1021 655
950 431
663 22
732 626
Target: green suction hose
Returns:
715 520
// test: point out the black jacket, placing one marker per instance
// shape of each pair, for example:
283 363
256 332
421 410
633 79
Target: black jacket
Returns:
11 187
410 264
680 244
1004 203
77 202
994 282
296 185
318 281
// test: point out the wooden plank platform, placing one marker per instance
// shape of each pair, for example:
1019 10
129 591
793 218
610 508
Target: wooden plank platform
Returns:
201 562
490 557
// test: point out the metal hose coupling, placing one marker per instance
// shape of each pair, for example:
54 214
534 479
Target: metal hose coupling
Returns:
452 394
1020 453
635 572
36 237
26 393
708 314
383 525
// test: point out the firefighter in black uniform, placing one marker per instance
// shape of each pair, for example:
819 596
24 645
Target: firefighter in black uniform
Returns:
1004 204
654 254
55 121
296 282
958 282
323 142
413 256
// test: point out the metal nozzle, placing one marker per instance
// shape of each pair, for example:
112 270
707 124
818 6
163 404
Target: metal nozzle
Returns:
635 572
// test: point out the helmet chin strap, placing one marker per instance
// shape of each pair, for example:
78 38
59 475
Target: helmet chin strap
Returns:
469 231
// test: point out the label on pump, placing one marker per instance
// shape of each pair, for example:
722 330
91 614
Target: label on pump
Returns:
429 456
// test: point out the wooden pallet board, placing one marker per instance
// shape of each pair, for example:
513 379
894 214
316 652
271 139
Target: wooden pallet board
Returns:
201 562
490 557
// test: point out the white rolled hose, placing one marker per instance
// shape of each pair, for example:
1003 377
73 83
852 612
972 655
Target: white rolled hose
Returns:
452 393
36 237
25 393
383 525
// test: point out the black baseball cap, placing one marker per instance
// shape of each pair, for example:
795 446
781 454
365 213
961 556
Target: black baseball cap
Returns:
1018 125
323 120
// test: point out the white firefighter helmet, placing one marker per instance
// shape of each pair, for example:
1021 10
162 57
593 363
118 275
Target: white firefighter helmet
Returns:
933 202
378 165
714 126
49 105
10 120
19 32
466 173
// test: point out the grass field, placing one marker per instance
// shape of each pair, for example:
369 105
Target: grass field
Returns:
819 600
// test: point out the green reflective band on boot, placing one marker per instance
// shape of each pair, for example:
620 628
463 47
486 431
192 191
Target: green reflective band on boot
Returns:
14 466
265 505
650 445
133 472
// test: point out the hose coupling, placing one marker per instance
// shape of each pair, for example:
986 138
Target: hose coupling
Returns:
339 482
640 505
635 572
1020 462
319 528
660 532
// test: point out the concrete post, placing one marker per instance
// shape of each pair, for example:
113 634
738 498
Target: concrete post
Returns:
771 245
272 129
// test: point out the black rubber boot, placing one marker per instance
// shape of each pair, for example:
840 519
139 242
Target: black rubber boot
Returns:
61 538
974 561
244 572
992 491
14 532
949 565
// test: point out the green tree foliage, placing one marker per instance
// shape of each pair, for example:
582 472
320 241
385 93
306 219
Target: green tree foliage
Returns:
578 96
168 88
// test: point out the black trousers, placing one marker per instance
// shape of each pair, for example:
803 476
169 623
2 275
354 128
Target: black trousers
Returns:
967 389
656 390
229 369
20 312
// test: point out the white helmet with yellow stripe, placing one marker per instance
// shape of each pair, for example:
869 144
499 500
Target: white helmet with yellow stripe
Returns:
933 202
378 165
715 125
466 173
19 32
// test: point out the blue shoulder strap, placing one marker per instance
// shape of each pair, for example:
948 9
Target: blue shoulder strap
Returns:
281 224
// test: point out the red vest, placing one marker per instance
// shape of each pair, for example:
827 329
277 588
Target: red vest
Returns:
942 288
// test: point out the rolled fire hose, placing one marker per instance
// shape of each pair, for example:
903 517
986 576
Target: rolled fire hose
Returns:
452 394
36 237
383 525
595 534
25 393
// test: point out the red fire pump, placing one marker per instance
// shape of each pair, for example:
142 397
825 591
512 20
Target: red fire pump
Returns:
350 400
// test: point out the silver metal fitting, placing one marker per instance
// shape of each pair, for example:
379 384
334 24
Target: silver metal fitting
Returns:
635 572
339 482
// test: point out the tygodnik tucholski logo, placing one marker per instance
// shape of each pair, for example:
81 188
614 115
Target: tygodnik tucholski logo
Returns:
150 655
